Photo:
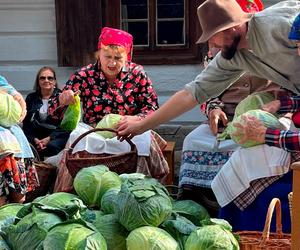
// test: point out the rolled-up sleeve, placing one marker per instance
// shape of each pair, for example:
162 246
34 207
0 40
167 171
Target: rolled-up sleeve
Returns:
217 77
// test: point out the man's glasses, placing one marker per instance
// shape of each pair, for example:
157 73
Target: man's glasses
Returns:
49 78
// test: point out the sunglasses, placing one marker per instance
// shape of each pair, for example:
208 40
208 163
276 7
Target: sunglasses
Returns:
49 78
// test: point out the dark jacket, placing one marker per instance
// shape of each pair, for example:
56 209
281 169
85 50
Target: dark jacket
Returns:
32 125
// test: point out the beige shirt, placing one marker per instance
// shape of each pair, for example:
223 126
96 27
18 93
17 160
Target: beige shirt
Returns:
272 56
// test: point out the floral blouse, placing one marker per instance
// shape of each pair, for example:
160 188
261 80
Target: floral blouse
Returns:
131 93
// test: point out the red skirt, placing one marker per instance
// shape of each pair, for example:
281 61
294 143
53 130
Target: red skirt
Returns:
18 175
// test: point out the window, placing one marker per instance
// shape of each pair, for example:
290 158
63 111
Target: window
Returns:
164 31
168 19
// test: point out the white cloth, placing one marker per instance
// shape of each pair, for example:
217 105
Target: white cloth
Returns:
246 165
203 156
95 144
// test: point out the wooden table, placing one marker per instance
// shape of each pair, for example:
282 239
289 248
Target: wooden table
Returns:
296 206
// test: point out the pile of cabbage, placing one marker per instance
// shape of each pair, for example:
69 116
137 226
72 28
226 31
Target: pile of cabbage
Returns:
110 211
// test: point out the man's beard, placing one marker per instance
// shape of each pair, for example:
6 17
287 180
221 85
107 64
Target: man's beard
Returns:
228 52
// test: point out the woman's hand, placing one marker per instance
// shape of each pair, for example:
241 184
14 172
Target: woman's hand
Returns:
129 126
251 128
42 144
38 144
214 116
19 98
67 97
271 107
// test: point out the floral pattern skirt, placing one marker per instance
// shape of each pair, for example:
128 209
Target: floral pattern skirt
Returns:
18 175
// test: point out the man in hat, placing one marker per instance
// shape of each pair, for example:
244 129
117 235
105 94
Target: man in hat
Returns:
254 129
256 43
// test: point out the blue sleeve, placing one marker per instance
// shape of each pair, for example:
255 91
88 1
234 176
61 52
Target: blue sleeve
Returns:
4 85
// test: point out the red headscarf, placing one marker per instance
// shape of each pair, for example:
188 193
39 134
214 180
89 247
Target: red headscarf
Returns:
251 6
110 36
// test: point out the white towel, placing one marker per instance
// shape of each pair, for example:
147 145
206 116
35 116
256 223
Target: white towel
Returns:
246 165
95 144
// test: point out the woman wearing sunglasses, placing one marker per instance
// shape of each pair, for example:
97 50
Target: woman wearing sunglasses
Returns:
40 128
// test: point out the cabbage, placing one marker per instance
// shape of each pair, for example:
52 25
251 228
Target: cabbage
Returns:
213 237
191 210
8 214
142 203
215 221
74 235
253 101
92 182
108 200
108 121
10 110
179 228
113 232
269 120
65 204
3 244
150 238
72 115
91 215
30 231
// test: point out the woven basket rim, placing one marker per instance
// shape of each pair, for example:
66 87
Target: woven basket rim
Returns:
256 240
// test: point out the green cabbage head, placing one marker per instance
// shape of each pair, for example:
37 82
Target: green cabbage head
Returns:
150 238
213 237
142 202
113 232
108 200
8 213
253 101
71 236
108 121
191 210
268 119
10 110
31 230
91 183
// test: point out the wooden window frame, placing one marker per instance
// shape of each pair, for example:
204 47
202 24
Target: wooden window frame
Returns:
78 24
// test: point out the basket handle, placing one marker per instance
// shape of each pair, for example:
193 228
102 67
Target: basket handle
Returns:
132 145
275 203
35 152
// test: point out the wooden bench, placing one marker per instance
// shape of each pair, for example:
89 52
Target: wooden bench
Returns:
169 155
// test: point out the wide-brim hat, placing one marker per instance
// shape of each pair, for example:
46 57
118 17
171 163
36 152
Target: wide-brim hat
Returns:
218 15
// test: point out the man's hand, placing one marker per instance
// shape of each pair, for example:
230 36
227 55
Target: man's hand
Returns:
271 107
19 98
250 128
214 117
129 126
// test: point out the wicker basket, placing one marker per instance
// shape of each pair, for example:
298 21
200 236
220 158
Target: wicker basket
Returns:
46 174
119 163
255 240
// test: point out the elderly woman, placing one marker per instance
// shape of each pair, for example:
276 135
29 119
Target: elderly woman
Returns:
116 85
41 129
17 172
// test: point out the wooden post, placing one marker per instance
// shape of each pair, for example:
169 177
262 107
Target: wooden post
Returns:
296 206
169 155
